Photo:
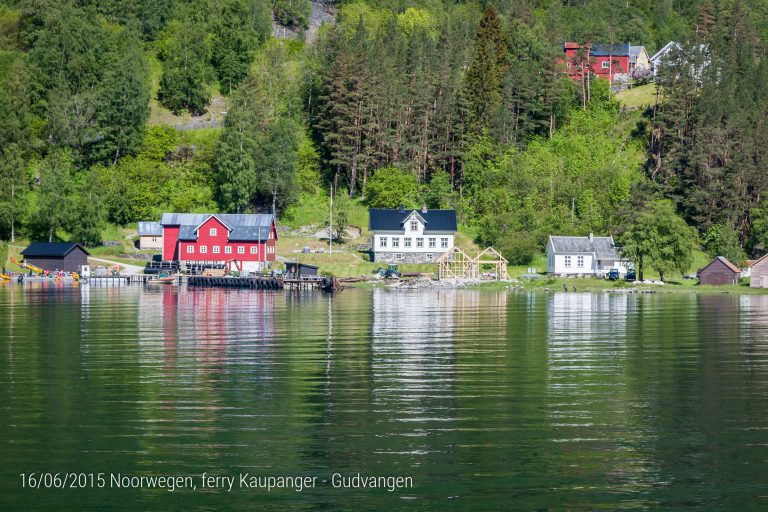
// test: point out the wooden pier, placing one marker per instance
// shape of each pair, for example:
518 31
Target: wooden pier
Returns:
328 284
255 283
122 279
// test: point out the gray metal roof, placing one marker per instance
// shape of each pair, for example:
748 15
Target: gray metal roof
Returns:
244 227
634 51
602 246
149 228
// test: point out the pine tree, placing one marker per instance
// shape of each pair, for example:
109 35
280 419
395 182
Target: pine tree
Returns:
485 75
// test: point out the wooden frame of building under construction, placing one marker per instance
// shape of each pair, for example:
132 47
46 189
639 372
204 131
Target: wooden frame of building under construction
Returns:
457 264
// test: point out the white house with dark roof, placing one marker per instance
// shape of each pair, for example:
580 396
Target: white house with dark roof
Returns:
150 235
583 255
410 236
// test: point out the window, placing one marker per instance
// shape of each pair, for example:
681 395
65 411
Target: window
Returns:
429 257
203 249
568 65
407 242
419 242
606 64
212 231
399 256
580 261
444 243
216 249
227 249
240 249
383 241
253 249
567 261
190 249
395 242
154 239
414 225
432 243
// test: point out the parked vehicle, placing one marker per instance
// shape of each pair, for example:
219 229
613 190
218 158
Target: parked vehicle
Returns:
613 274
630 276
391 272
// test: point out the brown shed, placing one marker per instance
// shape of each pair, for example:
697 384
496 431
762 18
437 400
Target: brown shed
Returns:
720 271
758 273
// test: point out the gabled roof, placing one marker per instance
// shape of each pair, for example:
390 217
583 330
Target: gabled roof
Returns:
244 227
634 52
51 249
733 268
664 50
392 219
148 228
213 216
602 246
605 50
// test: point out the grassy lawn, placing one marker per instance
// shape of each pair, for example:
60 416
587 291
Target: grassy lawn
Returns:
637 97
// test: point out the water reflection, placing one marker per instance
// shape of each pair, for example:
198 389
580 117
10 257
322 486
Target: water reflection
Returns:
490 400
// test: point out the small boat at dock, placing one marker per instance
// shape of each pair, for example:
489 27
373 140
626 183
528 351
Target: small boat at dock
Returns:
163 279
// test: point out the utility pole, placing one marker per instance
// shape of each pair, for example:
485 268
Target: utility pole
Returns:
330 224
573 209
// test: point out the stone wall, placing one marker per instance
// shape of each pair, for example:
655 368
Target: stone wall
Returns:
413 257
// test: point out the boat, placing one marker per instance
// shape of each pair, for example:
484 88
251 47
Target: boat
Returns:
5 277
163 279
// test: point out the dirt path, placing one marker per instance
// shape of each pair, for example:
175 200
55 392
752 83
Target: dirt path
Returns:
128 269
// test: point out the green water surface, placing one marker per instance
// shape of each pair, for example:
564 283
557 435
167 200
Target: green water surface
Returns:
485 400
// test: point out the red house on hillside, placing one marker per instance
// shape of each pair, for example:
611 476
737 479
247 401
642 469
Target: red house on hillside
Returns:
201 238
609 61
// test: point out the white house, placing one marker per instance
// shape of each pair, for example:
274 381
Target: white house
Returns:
696 57
410 236
583 255
150 235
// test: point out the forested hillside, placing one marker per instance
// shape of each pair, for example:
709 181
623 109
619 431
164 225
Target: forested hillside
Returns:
451 104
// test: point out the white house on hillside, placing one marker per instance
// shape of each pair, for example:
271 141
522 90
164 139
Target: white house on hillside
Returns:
410 236
583 255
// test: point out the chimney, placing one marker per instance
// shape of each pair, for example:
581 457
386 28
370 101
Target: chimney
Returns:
423 208
402 208
591 237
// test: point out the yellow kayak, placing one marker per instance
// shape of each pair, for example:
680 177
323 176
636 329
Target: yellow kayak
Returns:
5 277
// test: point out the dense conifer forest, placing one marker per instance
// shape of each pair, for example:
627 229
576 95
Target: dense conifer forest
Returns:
113 111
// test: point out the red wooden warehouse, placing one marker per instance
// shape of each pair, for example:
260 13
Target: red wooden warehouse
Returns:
609 61
200 238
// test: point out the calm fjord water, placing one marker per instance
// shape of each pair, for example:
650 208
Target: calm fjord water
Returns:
488 400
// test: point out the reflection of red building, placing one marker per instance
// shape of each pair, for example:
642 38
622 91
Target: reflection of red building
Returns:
608 61
219 238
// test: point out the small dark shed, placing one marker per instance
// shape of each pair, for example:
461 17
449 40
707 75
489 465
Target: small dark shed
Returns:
300 269
68 257
720 271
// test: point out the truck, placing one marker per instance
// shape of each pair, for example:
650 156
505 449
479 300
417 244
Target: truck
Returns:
613 274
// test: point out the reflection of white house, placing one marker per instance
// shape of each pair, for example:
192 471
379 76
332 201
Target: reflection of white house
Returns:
150 235
583 255
411 236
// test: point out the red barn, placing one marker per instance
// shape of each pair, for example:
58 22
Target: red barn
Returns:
608 61
199 238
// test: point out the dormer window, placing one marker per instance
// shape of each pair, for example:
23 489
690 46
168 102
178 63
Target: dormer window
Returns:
414 225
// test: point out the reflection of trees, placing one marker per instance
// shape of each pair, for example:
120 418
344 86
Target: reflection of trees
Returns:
592 407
